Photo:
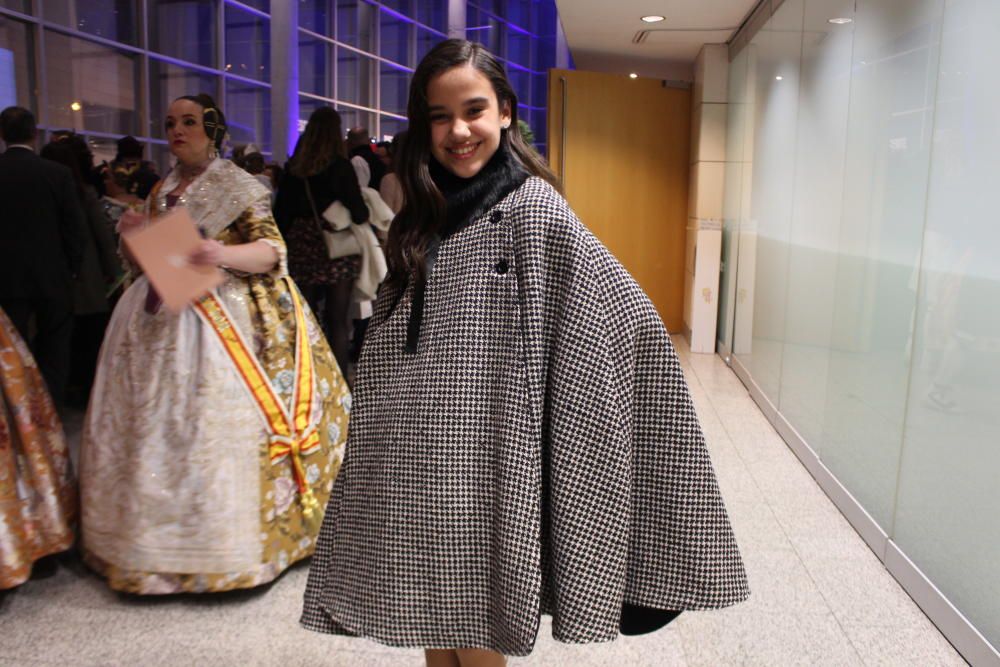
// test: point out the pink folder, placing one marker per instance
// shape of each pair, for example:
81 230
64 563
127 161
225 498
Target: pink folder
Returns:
162 250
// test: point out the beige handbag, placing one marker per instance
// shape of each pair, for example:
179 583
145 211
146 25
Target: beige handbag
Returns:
373 264
341 243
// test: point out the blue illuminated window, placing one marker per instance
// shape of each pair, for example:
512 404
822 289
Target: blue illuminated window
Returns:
111 19
315 56
167 82
248 42
248 114
196 42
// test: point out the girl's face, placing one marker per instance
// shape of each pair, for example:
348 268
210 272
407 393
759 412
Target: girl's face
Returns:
185 132
465 120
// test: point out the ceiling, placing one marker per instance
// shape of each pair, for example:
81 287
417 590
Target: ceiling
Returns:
600 33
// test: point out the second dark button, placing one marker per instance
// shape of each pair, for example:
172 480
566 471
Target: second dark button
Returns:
496 216
501 267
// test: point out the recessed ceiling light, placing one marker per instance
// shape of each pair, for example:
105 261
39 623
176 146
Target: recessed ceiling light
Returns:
778 78
75 106
654 18
840 21
633 75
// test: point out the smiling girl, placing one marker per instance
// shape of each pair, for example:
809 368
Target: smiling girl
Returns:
522 441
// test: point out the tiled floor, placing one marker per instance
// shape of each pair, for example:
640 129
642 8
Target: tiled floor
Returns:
820 596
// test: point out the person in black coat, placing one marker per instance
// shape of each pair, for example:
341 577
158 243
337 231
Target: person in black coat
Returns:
100 269
42 237
320 161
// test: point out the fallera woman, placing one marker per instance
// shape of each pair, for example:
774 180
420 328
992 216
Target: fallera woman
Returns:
38 495
213 435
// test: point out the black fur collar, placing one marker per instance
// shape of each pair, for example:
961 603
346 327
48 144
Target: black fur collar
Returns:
467 199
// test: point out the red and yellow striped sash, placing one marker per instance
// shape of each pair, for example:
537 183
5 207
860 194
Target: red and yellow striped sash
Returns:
291 435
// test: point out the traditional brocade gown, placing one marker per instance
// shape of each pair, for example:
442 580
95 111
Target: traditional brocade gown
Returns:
38 501
198 421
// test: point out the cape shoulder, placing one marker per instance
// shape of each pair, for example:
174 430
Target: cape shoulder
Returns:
536 208
547 233
543 222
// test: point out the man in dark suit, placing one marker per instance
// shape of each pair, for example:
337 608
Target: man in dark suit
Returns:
42 235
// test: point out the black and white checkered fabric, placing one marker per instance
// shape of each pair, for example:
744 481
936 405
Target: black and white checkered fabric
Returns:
538 454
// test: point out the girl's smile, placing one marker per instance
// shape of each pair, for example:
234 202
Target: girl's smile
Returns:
466 120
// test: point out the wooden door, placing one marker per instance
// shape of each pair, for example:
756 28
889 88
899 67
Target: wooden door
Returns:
621 148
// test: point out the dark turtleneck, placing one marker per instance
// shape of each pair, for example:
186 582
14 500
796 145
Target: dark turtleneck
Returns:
466 199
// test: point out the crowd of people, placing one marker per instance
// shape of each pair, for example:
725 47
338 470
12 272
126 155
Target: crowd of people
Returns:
521 438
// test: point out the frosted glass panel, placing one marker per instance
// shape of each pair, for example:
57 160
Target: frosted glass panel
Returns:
775 78
812 252
739 191
737 113
861 288
949 487
888 157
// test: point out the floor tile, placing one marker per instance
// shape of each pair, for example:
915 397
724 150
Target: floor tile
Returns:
712 638
820 596
891 646
861 591
780 583
807 640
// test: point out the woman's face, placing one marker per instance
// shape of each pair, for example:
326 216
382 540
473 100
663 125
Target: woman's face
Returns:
185 132
465 120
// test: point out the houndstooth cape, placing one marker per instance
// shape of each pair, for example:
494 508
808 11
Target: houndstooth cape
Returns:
538 454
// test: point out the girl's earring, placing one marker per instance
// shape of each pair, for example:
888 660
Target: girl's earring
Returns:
213 152
505 126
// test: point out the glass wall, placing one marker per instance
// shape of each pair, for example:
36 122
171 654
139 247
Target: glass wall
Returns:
111 19
861 288
374 47
89 86
948 495
521 33
196 43
359 57
17 67
103 73
111 67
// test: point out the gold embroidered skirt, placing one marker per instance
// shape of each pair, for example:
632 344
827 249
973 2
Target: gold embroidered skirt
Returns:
180 491
38 499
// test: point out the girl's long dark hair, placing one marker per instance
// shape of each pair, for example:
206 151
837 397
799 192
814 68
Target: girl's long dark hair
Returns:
423 212
319 144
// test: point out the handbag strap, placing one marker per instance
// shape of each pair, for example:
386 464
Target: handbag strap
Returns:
312 204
